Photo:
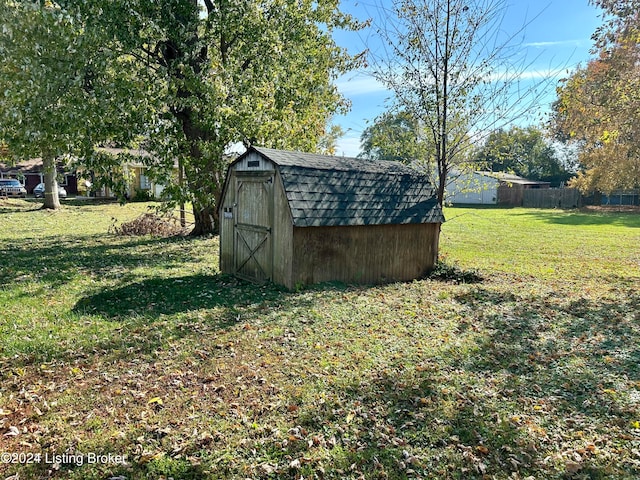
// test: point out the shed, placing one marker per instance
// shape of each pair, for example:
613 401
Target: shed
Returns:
300 218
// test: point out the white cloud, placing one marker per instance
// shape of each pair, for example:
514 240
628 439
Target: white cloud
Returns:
348 146
363 84
539 74
556 43
359 84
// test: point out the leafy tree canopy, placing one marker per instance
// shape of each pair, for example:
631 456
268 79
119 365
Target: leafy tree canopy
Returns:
598 106
395 136
58 89
523 151
202 76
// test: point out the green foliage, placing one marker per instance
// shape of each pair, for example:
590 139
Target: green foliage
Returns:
60 85
142 195
188 79
328 142
396 136
230 73
523 151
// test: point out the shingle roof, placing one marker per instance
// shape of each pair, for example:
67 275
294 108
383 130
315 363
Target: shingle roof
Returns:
33 165
337 191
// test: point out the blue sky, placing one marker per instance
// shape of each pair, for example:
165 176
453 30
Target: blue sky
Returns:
556 38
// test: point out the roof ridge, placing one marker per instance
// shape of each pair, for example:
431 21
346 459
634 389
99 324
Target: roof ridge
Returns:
333 162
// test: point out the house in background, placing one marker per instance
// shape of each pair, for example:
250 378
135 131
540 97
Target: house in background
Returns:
299 218
489 188
135 169
30 173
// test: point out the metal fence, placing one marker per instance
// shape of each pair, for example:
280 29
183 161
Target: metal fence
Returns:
625 197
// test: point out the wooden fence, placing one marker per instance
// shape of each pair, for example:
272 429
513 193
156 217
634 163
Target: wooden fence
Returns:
552 198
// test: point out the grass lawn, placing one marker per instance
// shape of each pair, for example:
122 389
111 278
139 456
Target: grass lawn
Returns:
133 358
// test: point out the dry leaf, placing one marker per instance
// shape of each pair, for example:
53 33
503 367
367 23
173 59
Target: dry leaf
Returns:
572 467
482 449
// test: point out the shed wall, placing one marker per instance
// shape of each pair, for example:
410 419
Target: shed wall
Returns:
282 235
227 214
363 254
473 189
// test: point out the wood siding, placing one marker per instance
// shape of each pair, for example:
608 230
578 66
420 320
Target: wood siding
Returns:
253 243
258 240
363 254
510 194
255 224
282 235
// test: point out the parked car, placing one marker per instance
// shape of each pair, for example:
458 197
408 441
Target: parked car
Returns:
38 192
10 187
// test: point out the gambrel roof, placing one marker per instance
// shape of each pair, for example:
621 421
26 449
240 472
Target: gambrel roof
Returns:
336 191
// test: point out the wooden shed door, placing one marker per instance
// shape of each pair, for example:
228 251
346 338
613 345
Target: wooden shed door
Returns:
253 249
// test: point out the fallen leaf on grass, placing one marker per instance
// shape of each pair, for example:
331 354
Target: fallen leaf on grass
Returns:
572 467
13 432
146 457
268 468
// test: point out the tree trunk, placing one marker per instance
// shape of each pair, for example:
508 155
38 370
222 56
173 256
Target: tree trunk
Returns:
51 199
206 220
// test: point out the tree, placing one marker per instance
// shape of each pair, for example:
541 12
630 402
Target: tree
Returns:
395 136
219 73
57 92
329 141
203 76
622 22
598 107
524 152
452 68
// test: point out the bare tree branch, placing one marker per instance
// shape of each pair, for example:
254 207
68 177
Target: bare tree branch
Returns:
453 67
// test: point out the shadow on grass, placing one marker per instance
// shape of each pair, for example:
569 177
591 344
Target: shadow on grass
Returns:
404 423
139 318
542 334
541 365
11 206
573 363
154 297
56 260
